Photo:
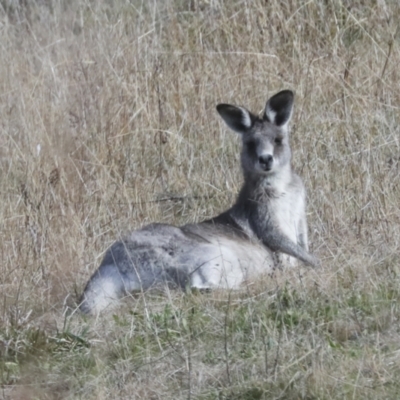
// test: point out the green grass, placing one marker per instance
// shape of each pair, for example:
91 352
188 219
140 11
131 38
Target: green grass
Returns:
273 343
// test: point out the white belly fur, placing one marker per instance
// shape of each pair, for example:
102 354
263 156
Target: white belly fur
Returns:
225 263
287 213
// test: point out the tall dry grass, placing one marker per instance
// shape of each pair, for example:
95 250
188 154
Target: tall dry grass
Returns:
107 122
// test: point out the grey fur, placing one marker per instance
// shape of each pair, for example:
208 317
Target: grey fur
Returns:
237 245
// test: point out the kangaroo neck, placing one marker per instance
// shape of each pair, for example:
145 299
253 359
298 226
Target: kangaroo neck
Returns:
257 187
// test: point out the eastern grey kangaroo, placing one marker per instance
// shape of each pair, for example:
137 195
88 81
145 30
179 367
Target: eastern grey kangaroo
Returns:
237 245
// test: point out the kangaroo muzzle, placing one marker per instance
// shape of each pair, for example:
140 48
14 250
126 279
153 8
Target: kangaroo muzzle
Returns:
266 161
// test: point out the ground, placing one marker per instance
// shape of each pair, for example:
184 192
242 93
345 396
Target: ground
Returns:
108 122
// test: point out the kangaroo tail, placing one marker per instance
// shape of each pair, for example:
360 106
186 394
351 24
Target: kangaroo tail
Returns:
103 290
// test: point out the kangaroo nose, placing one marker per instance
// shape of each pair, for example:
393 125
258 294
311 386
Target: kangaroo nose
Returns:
266 161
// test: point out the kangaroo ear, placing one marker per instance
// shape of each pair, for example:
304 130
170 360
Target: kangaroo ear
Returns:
237 118
278 110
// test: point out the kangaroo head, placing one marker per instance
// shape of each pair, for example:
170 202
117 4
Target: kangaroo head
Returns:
266 147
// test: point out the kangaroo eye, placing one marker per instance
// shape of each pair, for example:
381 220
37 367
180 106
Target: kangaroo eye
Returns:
251 146
278 140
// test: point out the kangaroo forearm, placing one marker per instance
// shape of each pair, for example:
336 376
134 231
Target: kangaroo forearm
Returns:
279 242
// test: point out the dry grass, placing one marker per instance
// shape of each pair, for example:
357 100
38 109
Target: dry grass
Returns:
107 122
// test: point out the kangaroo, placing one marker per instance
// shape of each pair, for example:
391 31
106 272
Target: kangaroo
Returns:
265 227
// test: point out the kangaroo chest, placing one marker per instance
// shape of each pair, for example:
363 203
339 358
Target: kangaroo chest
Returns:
286 212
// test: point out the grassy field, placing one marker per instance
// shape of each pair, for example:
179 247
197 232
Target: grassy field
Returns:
108 122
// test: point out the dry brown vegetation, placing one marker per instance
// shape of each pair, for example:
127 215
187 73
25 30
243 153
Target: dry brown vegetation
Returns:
107 123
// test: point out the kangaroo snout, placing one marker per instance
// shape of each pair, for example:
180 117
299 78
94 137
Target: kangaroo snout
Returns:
266 161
